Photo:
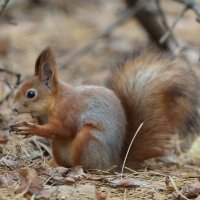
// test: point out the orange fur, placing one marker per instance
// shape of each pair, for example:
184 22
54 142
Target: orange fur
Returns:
79 142
163 94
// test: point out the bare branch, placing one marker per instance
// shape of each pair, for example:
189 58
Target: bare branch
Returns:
149 18
164 21
12 73
128 13
3 7
8 84
192 4
177 19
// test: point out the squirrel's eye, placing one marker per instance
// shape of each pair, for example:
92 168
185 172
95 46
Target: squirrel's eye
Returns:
31 94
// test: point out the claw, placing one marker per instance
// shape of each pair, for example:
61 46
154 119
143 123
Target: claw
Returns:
22 128
26 129
23 132
30 124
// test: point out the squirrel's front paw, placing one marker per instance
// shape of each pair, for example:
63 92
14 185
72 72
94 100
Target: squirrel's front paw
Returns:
23 124
28 128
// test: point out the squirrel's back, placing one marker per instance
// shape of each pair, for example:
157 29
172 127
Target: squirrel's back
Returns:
161 93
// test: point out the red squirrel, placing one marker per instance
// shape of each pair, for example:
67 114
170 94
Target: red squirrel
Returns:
93 126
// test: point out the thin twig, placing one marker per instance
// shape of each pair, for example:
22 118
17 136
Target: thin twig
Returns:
164 21
128 13
192 4
177 19
18 76
8 23
11 88
176 189
3 7
122 170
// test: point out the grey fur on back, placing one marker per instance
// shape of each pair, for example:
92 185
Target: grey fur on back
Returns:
104 110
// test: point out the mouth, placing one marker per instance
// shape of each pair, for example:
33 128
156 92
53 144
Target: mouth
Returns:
35 114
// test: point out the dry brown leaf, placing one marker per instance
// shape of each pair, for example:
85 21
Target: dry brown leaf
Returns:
51 171
60 180
30 180
3 139
86 191
76 172
121 182
45 193
29 176
3 181
8 179
94 177
61 170
69 181
156 195
4 46
192 190
56 176
61 175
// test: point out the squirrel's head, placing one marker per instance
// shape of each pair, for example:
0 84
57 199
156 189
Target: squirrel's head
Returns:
38 93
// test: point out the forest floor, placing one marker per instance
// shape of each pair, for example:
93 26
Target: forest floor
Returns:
26 29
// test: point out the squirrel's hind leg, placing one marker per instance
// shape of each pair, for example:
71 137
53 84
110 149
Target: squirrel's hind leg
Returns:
88 151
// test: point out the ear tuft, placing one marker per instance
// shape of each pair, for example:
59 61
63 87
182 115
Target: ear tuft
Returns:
46 56
47 75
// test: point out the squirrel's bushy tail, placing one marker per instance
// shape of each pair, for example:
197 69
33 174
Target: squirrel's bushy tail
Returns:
161 93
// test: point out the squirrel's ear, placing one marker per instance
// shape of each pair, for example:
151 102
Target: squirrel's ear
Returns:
45 68
46 56
48 75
